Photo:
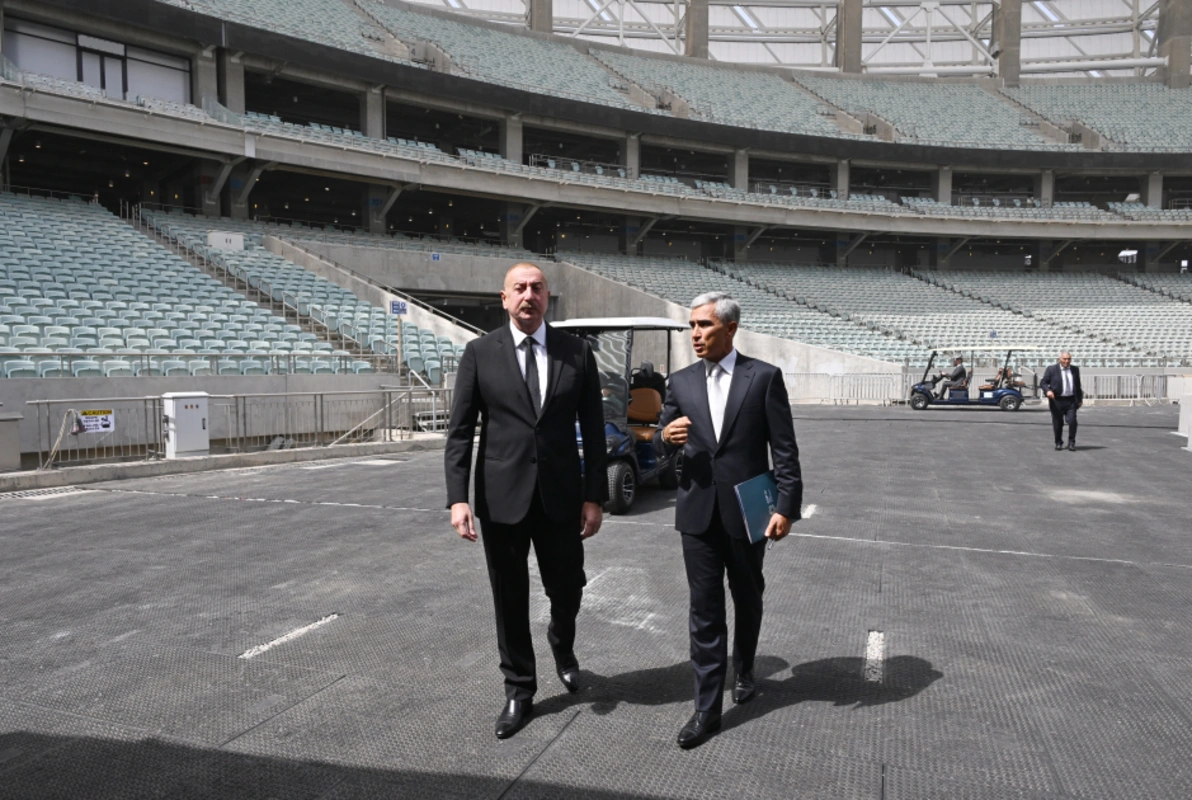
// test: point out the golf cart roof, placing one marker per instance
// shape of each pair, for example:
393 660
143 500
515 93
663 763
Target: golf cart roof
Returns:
623 323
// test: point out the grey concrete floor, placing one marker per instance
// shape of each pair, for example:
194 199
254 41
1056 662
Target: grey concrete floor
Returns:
1034 606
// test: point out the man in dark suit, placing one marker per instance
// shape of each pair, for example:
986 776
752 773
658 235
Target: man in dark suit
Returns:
1061 384
731 416
528 383
954 378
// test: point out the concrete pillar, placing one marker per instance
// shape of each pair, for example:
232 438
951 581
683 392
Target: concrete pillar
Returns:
372 113
631 154
235 188
231 81
511 139
848 36
208 173
737 250
1174 38
1 28
738 170
1152 189
1006 43
1148 256
1045 187
204 78
942 185
629 231
827 252
695 43
511 217
839 178
374 203
542 16
843 240
939 257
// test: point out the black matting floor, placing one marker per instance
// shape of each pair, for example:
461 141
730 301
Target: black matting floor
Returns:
1034 609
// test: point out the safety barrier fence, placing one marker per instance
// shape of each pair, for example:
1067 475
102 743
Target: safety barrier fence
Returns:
106 363
822 387
74 432
1134 389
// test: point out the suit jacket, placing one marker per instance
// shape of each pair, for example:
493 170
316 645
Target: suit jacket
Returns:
1053 381
519 450
958 373
757 426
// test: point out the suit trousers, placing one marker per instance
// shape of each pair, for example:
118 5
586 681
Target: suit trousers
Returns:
708 556
1063 409
560 553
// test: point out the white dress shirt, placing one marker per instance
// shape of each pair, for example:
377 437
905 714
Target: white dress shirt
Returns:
720 378
1066 374
539 339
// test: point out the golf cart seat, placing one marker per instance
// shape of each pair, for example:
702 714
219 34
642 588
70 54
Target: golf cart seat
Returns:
645 407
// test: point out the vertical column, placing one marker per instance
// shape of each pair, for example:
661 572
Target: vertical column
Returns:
235 188
1174 38
839 176
542 15
231 81
1045 187
511 217
511 138
1152 189
695 43
207 173
1 28
738 170
737 250
374 202
631 154
629 230
372 113
848 36
942 185
843 240
1006 44
204 77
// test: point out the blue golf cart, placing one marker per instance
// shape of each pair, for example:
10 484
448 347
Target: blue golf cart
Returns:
633 398
1003 392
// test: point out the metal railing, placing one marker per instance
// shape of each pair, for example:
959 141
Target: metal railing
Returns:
1134 389
74 432
822 387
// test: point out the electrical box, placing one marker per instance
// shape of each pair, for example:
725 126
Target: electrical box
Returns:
185 424
225 240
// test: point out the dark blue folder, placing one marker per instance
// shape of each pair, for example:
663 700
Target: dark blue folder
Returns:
758 498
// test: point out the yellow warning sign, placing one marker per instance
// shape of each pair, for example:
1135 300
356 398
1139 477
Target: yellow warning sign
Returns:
98 420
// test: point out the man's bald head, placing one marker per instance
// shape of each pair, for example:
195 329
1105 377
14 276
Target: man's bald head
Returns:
525 296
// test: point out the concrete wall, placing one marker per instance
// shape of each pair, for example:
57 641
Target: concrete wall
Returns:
307 255
16 392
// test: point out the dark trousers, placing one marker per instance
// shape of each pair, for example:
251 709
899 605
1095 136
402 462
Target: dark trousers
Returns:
560 553
708 557
1063 409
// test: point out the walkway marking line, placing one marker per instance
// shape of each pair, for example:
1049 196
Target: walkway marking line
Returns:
875 657
253 652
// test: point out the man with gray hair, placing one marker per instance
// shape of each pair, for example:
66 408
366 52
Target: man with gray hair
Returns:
730 415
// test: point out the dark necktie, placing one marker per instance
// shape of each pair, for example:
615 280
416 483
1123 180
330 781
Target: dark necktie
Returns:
532 374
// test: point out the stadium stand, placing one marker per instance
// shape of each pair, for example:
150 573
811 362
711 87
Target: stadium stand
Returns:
1176 286
935 113
1142 322
1017 209
313 298
1143 213
341 137
328 22
929 314
729 96
1132 116
679 281
506 59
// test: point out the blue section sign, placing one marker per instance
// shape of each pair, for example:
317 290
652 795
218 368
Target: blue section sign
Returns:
398 307
436 257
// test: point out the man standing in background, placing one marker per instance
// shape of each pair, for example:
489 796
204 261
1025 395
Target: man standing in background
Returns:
1061 384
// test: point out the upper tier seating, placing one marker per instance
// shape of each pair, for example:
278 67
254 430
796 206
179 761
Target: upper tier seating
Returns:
935 113
1177 286
1094 305
283 281
345 137
1144 213
728 96
328 22
1064 210
1134 116
680 281
929 314
805 197
522 62
76 281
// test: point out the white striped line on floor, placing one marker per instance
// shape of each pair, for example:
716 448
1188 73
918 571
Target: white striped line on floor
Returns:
253 652
875 657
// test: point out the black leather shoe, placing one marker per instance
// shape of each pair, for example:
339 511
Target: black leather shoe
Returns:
699 729
1072 446
744 689
514 717
569 677
1059 445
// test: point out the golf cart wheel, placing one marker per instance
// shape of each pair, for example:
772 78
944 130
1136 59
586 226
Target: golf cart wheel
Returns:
622 487
669 477
919 401
1009 403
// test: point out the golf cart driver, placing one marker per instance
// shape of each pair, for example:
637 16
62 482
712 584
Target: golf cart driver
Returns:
956 378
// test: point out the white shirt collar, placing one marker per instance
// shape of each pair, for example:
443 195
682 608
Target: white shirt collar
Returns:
539 336
728 363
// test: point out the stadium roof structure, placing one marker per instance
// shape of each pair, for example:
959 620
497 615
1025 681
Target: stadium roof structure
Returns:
1059 38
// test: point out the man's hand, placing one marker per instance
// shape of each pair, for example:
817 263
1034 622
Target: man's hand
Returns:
779 527
1050 395
590 519
464 523
675 434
